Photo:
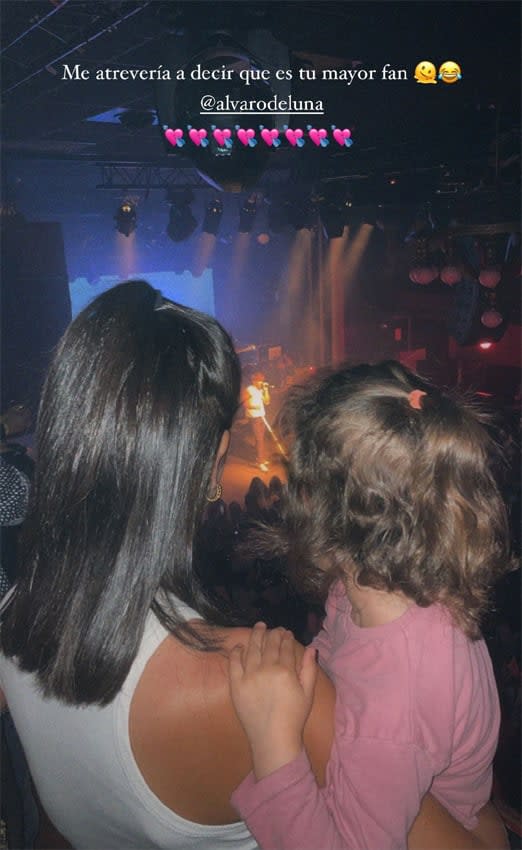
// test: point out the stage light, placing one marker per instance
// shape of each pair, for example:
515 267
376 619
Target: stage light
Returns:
490 274
423 275
334 203
126 218
247 214
491 318
206 243
332 218
489 277
450 275
423 271
213 215
486 345
182 222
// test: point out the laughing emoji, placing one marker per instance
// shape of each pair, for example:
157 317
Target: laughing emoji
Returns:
425 72
449 72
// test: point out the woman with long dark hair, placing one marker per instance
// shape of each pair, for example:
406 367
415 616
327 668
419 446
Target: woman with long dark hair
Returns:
113 652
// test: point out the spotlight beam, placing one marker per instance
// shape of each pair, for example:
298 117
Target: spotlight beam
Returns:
338 272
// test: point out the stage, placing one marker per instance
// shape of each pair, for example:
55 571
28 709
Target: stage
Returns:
240 467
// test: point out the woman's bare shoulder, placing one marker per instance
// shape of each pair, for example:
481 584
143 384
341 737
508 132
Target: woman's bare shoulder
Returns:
185 735
187 740
319 729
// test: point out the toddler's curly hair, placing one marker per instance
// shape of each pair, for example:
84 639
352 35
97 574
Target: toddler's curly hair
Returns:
394 487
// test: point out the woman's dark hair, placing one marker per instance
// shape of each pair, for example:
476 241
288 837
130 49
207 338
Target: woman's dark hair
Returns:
137 397
396 490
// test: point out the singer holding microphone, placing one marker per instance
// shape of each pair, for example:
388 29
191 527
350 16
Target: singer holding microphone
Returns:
256 396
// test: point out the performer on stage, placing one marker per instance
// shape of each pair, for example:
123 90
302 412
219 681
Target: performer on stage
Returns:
255 396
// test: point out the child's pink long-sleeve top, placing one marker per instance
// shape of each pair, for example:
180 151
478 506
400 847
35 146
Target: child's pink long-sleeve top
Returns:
416 711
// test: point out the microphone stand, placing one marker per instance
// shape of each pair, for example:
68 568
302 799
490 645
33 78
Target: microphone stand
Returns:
274 437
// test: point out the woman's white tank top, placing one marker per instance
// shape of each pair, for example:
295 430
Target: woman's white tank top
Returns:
85 773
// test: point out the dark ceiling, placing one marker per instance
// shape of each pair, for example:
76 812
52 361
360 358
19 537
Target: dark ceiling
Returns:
439 139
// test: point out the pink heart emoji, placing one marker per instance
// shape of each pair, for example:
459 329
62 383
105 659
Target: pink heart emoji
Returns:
269 136
197 136
244 136
221 136
341 135
317 135
172 136
293 136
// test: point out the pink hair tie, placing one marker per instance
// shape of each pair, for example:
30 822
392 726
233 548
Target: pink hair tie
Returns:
414 399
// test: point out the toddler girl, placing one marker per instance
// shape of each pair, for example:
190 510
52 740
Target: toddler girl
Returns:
392 505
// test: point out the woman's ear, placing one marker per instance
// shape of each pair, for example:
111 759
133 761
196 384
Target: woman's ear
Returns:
219 462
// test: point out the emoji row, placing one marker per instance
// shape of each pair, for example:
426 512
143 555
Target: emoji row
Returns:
449 72
248 137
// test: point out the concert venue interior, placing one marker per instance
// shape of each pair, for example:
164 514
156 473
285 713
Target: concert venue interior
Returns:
337 207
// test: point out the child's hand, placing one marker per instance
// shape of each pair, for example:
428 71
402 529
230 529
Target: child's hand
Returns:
272 693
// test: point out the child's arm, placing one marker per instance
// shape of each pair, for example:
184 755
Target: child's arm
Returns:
272 694
272 687
272 701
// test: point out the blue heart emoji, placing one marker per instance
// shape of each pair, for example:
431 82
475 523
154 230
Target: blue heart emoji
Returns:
252 143
300 143
276 143
204 143
324 143
180 143
348 143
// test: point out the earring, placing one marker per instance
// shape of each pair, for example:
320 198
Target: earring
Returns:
217 495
